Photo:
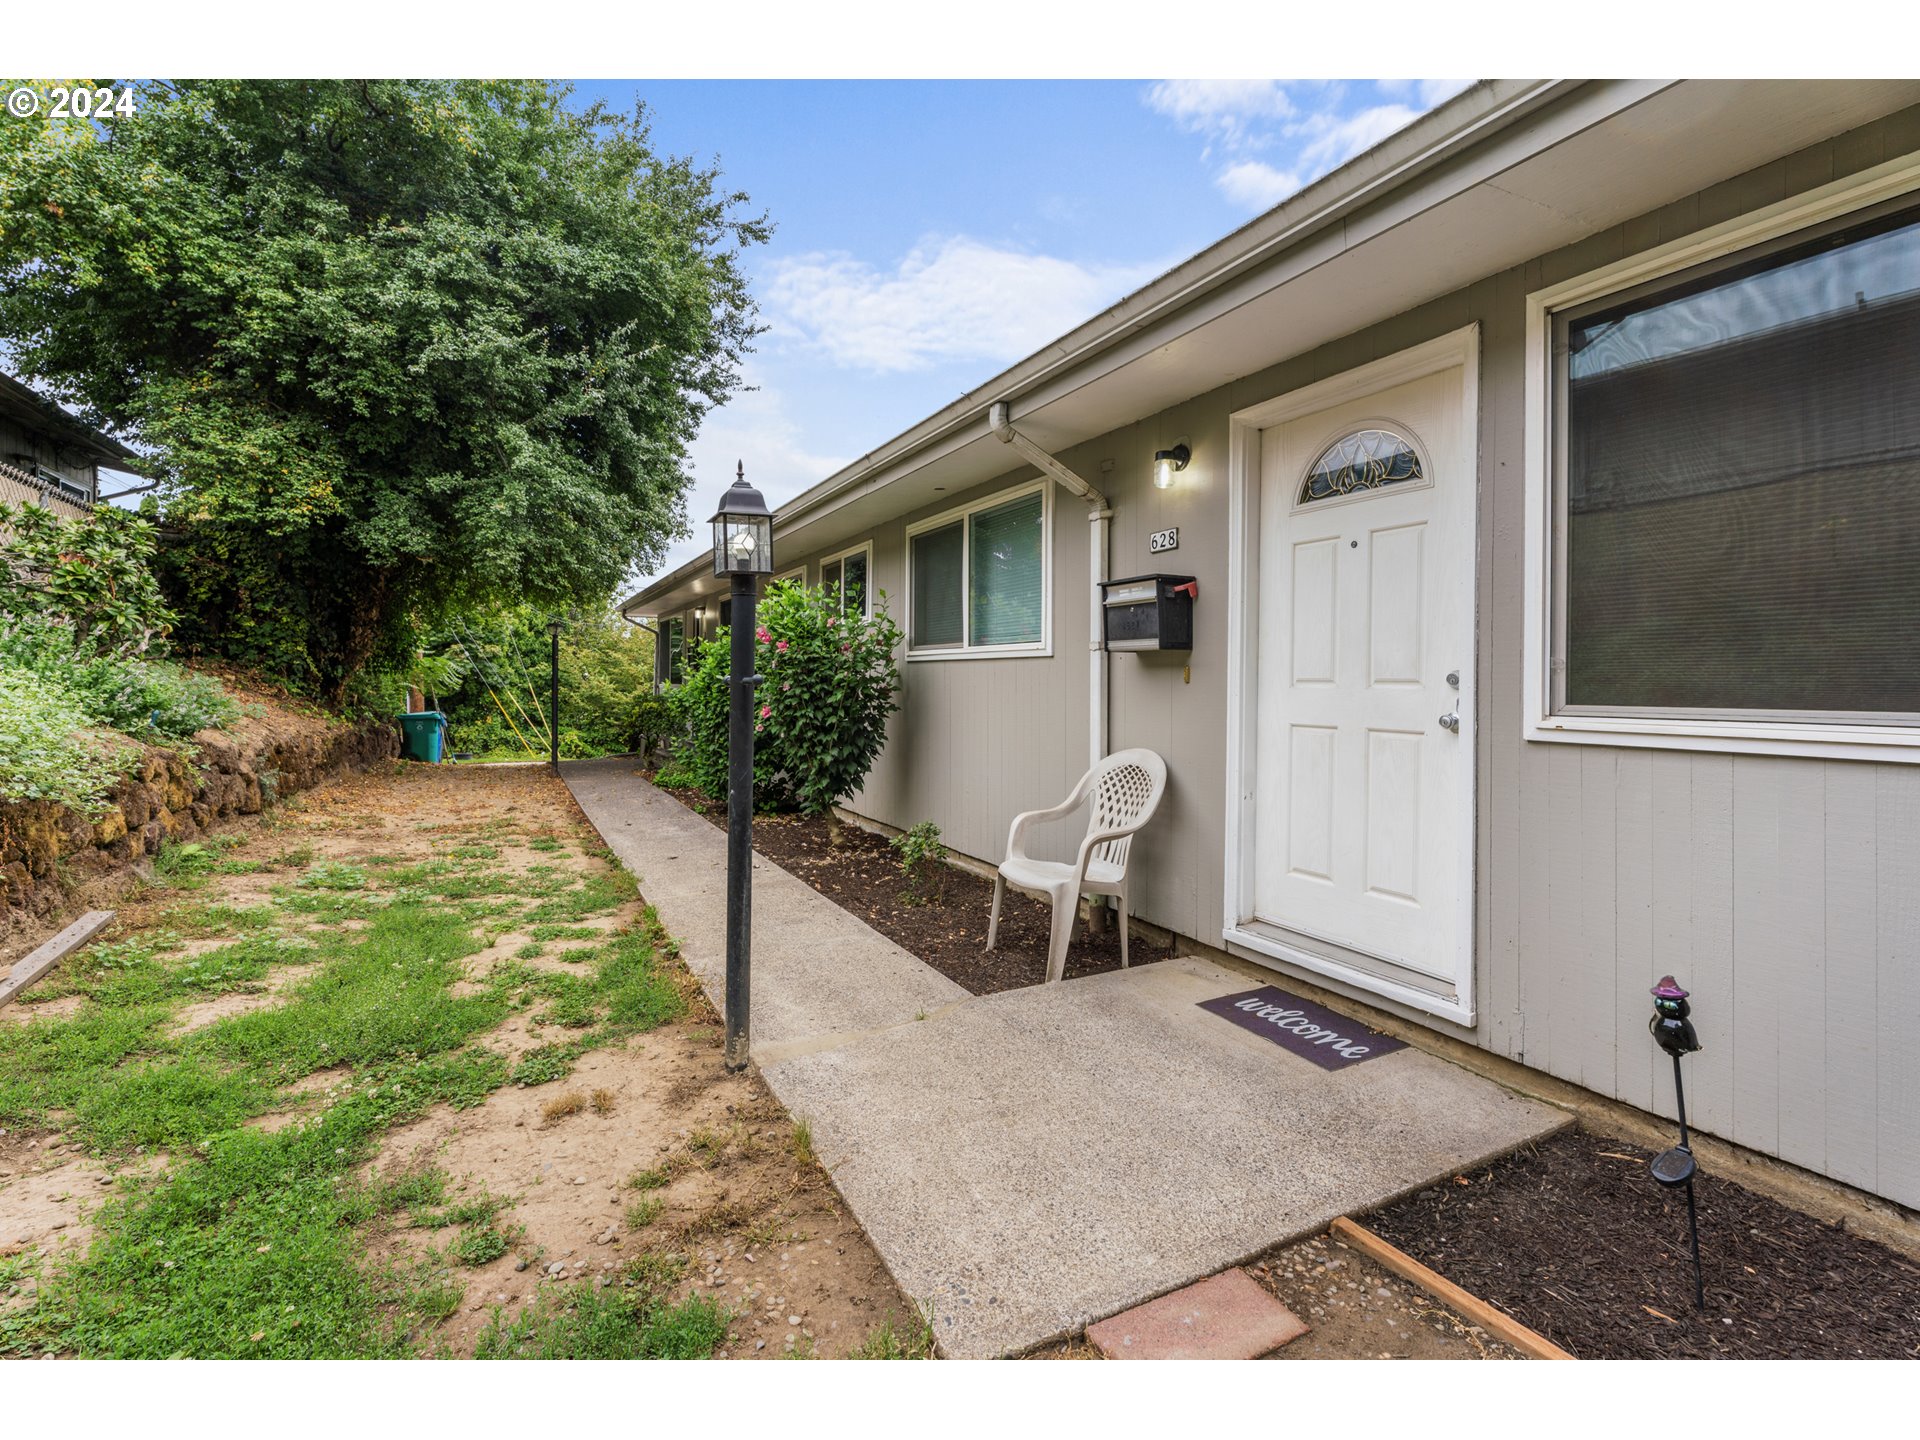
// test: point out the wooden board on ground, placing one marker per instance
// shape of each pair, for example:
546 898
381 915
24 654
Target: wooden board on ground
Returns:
40 961
1496 1323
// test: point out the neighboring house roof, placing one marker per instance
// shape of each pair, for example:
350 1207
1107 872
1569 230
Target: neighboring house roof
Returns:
1506 171
36 412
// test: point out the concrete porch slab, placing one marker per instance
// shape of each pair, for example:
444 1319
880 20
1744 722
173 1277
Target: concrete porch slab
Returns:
1033 1161
1029 1162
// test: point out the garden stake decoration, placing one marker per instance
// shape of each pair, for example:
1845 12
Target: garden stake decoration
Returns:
742 550
1673 1031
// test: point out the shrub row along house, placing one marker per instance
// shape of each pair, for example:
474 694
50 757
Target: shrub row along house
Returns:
1551 491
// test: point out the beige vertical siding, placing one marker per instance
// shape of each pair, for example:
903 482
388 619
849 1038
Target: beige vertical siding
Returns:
1784 892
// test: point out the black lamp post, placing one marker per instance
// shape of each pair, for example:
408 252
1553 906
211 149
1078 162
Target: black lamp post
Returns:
1674 1033
742 550
553 694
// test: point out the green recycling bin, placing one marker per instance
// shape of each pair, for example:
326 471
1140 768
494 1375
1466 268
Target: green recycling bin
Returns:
423 734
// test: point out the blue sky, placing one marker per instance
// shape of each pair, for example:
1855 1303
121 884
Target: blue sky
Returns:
928 234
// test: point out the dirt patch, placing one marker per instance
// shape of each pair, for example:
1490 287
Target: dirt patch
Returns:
725 1197
861 874
1573 1238
738 1214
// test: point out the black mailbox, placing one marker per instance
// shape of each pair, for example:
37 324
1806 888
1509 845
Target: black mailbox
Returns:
1150 612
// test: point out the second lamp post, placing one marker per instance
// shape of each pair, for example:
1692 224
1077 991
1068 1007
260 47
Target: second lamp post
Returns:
743 551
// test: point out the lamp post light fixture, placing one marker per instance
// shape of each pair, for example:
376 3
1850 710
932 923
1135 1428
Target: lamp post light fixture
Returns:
743 551
1167 463
1673 1032
554 627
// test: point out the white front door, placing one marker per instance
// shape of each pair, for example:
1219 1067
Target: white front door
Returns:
1362 827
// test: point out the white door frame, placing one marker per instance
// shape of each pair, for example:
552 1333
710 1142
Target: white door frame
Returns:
1459 348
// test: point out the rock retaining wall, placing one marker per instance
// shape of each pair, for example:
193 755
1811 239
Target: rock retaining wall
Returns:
47 851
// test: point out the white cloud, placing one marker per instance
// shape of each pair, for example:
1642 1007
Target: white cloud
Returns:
1337 141
954 299
1227 110
1255 185
1429 92
756 429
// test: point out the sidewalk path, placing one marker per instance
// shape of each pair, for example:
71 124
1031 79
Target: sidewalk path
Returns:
1031 1161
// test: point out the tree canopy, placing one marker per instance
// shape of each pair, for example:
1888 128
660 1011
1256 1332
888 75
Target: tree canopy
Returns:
397 346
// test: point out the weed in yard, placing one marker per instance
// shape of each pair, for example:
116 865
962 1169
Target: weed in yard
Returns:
603 1100
653 1179
642 1213
334 875
197 921
580 1323
800 1349
190 864
883 1342
478 1244
803 1143
706 1144
475 852
561 1106
566 932
655 1271
545 843
532 950
294 857
595 895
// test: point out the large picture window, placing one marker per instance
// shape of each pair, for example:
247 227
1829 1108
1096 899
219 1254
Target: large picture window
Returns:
1736 486
977 578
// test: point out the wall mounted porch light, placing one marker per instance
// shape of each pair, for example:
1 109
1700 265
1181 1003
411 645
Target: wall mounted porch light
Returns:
743 550
1167 463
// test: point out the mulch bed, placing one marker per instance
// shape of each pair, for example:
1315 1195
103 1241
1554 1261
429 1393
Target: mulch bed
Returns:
1575 1239
949 931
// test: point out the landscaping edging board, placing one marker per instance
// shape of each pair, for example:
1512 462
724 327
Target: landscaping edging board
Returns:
47 852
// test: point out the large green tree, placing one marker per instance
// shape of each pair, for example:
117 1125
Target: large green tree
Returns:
397 346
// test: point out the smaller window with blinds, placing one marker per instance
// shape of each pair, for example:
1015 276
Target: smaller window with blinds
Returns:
977 581
1361 461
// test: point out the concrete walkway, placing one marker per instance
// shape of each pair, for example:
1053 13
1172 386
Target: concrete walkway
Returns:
1028 1162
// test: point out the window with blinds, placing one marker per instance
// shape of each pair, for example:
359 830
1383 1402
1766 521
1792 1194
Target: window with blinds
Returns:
978 581
1740 485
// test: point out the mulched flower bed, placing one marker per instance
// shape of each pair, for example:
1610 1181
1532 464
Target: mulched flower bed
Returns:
949 931
1575 1239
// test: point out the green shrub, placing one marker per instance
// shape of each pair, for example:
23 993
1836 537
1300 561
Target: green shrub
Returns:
828 684
118 688
922 861
93 573
46 752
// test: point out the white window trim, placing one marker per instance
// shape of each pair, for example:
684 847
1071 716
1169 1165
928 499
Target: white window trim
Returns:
865 548
970 651
1821 739
799 572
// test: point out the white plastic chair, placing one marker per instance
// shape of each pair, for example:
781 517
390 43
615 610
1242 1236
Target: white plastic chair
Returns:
1125 789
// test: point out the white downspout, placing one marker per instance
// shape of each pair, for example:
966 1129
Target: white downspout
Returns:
1099 514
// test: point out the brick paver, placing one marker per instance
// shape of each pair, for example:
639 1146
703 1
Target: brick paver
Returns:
1224 1317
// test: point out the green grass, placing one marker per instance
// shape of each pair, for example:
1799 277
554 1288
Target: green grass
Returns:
883 1342
251 1243
579 1323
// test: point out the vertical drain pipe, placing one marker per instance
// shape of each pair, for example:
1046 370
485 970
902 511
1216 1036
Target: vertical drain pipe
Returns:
1099 514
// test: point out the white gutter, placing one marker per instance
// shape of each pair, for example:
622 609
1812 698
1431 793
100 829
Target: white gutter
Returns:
1099 513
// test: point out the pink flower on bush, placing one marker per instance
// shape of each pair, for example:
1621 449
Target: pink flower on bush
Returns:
846 649
764 635
766 711
833 620
781 647
786 684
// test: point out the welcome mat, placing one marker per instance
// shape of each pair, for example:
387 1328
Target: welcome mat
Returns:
1329 1040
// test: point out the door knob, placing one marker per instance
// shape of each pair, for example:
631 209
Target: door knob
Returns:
1451 721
